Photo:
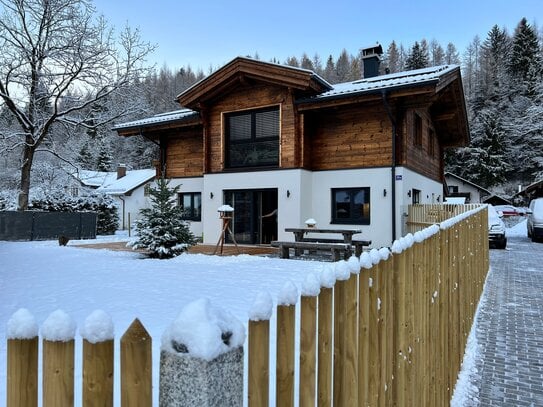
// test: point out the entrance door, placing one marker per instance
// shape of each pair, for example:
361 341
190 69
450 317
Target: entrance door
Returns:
255 215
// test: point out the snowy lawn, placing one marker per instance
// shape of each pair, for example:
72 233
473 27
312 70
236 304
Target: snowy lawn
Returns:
44 277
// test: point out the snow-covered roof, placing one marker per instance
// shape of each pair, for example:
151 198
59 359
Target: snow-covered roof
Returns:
394 80
95 179
175 116
107 182
129 182
465 181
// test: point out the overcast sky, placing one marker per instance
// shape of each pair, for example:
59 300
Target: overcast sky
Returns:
211 32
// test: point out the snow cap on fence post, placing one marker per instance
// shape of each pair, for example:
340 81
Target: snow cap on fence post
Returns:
365 261
397 247
375 256
58 327
98 327
328 276
354 264
288 294
311 286
343 271
201 358
384 252
262 307
22 325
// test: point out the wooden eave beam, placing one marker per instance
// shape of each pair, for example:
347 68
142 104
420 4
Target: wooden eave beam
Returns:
364 98
134 131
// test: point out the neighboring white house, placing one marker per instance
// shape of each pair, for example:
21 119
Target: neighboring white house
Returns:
129 188
458 187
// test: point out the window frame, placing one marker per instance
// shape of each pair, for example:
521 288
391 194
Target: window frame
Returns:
352 191
253 139
193 216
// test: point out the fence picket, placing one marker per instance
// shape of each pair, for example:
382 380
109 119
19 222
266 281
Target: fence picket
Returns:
98 374
286 319
22 372
259 363
58 373
136 367
308 350
325 349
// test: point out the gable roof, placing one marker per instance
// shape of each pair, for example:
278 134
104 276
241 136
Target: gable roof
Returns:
242 69
107 182
465 181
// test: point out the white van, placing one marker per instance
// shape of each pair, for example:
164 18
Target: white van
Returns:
535 219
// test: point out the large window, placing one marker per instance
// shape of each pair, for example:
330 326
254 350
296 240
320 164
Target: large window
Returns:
252 138
191 204
351 206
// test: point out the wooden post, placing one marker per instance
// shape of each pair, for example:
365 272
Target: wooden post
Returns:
363 336
373 337
339 342
308 350
325 350
259 363
58 373
22 372
136 367
98 374
286 318
350 336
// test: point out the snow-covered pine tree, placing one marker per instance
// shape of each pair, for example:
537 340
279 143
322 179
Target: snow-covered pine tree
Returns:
104 159
526 63
161 230
417 58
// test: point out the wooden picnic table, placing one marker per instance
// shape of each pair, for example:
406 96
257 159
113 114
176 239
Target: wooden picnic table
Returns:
299 233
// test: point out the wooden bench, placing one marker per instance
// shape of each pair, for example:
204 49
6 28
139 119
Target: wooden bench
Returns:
358 245
335 248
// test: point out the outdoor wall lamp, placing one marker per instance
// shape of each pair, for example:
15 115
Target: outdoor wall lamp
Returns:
288 193
409 193
384 192
211 195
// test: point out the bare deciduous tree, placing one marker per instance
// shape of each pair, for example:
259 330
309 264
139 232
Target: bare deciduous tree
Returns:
58 59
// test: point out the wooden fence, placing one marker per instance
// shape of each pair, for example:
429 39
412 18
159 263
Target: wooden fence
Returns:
399 327
421 216
393 333
98 362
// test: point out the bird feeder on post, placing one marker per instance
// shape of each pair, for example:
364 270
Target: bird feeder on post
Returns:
225 213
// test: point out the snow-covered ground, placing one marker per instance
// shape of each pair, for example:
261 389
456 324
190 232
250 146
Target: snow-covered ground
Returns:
44 277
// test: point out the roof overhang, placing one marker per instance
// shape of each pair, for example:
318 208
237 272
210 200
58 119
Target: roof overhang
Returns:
243 70
160 123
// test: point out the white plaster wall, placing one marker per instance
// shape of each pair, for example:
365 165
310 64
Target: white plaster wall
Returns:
132 206
297 182
195 184
379 231
431 192
475 193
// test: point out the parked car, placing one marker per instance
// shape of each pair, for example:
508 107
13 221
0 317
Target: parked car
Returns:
535 219
496 229
508 210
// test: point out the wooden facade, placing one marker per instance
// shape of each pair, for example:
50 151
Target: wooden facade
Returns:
356 130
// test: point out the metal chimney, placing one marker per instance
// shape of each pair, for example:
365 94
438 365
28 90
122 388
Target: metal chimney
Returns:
371 57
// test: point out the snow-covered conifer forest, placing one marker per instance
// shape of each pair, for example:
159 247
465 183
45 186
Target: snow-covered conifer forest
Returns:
58 105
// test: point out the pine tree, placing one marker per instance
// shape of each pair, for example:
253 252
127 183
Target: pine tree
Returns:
437 53
85 157
417 58
525 64
451 55
494 56
329 73
392 58
104 158
161 230
343 67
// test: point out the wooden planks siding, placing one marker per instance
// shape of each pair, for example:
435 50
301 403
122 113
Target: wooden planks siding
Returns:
420 158
185 153
248 98
358 136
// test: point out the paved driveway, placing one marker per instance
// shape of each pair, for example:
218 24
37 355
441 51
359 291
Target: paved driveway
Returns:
509 367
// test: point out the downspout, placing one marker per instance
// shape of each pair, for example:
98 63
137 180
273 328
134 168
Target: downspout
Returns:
122 200
393 166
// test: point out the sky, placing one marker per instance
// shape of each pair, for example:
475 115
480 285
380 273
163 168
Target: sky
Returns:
209 33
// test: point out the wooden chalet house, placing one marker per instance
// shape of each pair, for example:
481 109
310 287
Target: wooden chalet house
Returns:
281 145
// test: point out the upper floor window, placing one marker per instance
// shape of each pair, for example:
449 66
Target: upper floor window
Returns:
252 138
191 204
351 206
